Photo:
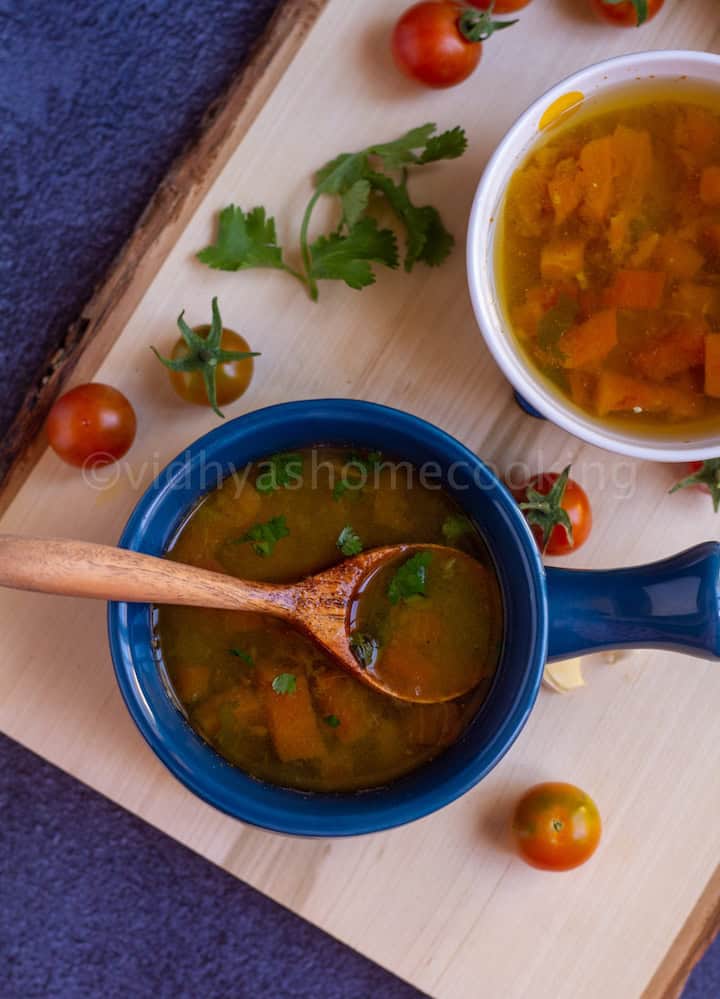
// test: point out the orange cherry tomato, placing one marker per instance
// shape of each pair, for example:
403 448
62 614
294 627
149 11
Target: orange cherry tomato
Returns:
550 503
556 826
232 377
91 425
628 13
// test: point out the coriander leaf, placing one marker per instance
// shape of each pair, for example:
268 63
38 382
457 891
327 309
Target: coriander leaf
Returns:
358 469
555 322
455 526
446 146
265 536
347 258
242 654
340 174
284 683
427 239
400 152
364 647
339 489
243 241
354 202
280 470
410 579
332 720
349 542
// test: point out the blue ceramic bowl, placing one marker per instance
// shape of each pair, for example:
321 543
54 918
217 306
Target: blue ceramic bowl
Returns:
591 610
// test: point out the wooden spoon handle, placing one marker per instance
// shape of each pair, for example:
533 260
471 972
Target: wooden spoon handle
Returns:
82 569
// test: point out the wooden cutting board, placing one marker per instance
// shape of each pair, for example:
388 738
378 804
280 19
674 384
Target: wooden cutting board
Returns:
443 902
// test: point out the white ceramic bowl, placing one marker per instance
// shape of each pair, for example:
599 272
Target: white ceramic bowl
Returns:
684 69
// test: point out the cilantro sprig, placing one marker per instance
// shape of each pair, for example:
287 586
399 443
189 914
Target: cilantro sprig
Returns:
349 541
410 580
284 683
280 471
265 536
358 180
456 526
203 352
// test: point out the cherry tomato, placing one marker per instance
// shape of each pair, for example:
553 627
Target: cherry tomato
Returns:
232 378
439 42
209 365
500 6
628 13
704 475
553 503
91 425
556 826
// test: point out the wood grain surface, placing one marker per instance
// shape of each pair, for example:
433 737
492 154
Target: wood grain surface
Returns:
443 902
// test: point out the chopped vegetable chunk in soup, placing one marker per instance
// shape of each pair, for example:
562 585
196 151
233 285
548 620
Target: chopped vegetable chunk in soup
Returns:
265 696
610 261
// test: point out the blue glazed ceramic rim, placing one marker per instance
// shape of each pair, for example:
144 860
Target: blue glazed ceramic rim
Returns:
166 504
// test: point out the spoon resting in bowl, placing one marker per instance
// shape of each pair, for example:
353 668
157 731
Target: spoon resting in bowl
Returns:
324 606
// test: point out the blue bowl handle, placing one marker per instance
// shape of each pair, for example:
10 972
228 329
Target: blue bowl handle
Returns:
672 604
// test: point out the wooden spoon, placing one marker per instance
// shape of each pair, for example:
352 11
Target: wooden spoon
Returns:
317 605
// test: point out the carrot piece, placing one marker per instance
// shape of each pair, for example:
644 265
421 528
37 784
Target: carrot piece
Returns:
191 682
679 258
672 354
618 393
597 163
696 130
632 166
528 200
712 365
712 237
565 189
291 719
339 695
694 299
710 185
636 290
562 259
591 341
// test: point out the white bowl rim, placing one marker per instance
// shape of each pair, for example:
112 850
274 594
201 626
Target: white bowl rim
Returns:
661 63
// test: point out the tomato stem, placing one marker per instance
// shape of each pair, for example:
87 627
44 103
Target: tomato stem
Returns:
545 510
707 475
478 25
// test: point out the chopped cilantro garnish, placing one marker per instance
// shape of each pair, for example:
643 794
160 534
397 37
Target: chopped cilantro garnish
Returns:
332 720
265 536
356 472
455 526
410 579
242 654
282 470
347 253
284 683
349 542
364 647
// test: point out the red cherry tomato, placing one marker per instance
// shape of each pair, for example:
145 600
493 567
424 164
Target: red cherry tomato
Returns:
556 826
439 42
550 503
91 425
628 13
500 6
